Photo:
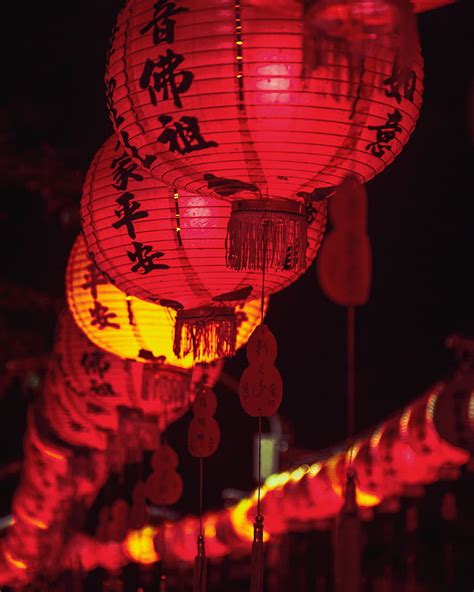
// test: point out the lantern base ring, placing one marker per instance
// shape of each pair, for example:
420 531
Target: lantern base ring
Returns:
208 332
267 233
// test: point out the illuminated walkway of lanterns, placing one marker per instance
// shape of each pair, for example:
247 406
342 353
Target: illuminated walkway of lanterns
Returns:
231 144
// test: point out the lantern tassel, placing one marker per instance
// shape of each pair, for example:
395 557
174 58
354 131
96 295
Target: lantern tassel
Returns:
165 385
257 564
348 541
206 333
200 567
266 233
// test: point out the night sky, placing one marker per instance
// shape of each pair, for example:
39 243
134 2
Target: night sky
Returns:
53 109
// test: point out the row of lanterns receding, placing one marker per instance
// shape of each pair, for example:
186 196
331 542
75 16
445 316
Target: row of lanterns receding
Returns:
210 198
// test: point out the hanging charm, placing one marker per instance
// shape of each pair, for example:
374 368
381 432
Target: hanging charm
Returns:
164 486
257 565
261 386
204 432
347 552
203 441
200 567
345 261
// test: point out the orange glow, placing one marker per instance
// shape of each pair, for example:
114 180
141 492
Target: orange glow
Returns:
52 454
430 407
210 524
239 517
139 547
15 562
365 499
315 469
471 409
376 437
137 326
404 421
22 515
42 446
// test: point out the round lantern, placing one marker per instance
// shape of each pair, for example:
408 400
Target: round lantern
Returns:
168 247
132 328
215 97
97 384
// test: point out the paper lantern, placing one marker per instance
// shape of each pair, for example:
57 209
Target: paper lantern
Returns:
213 97
168 247
128 327
97 384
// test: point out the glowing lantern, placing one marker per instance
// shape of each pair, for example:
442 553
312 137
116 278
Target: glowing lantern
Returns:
139 545
214 98
129 327
168 247
96 383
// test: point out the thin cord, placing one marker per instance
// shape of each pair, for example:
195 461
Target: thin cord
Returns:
259 462
262 309
201 482
350 345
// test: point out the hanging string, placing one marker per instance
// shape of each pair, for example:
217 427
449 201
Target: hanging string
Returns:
201 486
163 556
257 562
262 309
200 562
350 363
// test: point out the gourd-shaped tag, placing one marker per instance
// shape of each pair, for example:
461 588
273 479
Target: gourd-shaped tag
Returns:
204 433
261 386
345 260
164 486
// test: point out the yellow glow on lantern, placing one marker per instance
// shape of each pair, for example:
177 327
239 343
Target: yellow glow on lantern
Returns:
277 480
315 469
376 437
22 515
139 546
299 473
471 409
404 421
15 562
240 520
136 329
365 499
210 524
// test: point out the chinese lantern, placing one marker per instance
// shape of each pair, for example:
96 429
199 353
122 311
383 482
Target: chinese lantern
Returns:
168 247
128 327
97 383
213 97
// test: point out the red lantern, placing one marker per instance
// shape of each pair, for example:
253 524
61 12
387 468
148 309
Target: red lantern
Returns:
96 383
212 97
168 247
134 329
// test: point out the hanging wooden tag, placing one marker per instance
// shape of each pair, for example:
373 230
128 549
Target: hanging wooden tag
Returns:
345 268
205 403
344 264
164 457
204 433
262 346
203 437
261 390
164 488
